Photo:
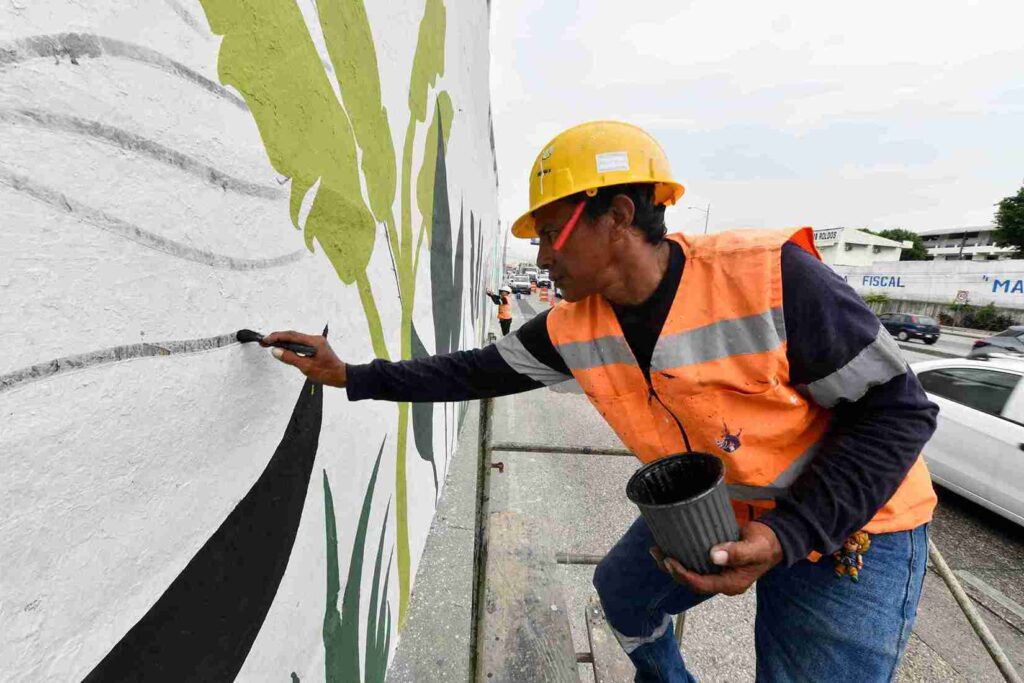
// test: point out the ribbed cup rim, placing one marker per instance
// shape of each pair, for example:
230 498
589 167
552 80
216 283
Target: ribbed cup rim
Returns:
633 482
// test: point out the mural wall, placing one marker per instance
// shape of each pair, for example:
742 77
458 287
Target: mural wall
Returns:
175 505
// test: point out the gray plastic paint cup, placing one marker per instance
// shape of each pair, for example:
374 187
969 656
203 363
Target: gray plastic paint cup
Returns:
685 502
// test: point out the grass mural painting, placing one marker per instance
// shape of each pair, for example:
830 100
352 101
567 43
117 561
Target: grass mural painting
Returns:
333 147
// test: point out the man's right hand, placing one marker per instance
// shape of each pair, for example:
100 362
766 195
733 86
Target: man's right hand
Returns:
323 368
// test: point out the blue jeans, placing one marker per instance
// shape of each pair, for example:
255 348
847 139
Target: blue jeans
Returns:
810 625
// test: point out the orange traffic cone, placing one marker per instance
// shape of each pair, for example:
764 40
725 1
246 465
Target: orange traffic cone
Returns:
543 293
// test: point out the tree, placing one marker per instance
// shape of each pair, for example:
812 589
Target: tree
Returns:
918 252
1010 221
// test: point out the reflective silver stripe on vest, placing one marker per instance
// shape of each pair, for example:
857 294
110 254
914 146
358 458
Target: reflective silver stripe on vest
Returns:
525 363
780 486
752 334
876 364
609 350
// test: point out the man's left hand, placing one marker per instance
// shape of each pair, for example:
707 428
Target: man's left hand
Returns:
743 562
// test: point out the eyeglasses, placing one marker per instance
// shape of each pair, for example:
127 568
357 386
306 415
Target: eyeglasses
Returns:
569 226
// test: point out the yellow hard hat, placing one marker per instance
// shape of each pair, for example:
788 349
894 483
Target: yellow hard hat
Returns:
594 155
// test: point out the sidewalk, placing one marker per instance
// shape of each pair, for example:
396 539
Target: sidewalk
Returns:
577 504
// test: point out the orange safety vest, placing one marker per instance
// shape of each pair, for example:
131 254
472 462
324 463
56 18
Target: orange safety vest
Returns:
719 371
504 308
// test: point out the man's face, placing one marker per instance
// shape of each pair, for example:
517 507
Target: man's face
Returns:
578 268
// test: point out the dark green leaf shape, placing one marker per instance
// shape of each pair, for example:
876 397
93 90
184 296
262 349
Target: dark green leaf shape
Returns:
445 266
268 56
341 630
378 618
423 415
425 179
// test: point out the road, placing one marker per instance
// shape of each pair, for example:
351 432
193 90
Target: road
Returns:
952 344
582 507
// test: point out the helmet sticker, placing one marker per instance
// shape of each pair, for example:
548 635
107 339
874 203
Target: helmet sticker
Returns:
612 161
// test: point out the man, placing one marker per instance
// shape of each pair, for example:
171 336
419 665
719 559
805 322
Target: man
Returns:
504 308
740 344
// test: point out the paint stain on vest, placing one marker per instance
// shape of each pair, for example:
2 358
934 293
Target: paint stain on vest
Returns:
729 443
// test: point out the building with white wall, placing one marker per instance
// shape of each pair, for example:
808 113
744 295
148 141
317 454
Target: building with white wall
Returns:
851 247
942 282
975 243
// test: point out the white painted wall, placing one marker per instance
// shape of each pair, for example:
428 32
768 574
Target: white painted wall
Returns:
998 282
138 205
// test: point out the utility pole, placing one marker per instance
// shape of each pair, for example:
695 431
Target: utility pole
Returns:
707 214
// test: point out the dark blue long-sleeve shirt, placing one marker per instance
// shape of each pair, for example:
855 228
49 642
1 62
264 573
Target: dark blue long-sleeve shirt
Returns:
877 430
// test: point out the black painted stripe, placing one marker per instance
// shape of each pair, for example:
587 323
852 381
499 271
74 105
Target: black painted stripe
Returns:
130 231
74 46
114 354
136 143
203 626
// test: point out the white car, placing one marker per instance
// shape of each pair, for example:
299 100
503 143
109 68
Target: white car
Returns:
978 448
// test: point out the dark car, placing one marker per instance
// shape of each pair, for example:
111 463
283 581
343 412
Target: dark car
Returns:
905 326
1010 340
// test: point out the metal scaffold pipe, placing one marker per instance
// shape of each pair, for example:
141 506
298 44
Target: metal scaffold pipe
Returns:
962 599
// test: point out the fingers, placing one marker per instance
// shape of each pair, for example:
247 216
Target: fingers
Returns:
659 558
292 336
729 582
290 358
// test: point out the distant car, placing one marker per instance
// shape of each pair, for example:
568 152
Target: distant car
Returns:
976 450
1010 340
544 282
520 285
906 326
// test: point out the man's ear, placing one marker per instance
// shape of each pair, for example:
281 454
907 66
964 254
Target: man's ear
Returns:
620 214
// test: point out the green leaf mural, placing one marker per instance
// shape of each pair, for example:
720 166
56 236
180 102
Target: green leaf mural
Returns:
341 629
425 188
354 57
334 147
423 417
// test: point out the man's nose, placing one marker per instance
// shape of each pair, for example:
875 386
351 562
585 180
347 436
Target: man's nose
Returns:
545 256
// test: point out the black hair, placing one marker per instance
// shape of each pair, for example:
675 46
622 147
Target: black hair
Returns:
647 216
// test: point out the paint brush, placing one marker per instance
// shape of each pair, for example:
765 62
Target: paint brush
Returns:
301 349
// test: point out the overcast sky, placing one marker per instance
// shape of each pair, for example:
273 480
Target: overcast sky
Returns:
870 114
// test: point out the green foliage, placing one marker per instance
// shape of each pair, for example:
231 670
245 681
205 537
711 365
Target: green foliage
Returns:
916 253
341 629
1010 221
986 318
876 298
